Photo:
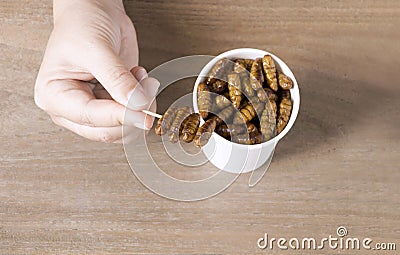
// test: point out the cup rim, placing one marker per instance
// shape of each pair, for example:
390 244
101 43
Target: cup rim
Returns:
280 64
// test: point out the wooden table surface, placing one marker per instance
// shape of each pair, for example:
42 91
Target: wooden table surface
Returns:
339 165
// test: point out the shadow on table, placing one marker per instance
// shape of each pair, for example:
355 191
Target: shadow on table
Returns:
331 109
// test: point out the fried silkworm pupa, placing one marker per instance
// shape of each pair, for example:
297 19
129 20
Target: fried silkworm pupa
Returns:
256 75
226 132
284 94
270 72
246 114
248 63
204 132
284 81
253 136
164 123
285 109
274 106
191 124
249 139
251 128
268 122
262 95
204 100
174 131
235 94
259 107
257 104
224 115
221 102
223 131
267 93
218 86
246 85
226 94
218 70
240 66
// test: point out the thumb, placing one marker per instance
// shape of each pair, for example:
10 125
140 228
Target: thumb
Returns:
110 71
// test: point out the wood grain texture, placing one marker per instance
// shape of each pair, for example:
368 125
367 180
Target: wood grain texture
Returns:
60 194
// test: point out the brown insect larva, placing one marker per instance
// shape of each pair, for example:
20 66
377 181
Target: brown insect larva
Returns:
285 109
240 66
242 139
226 94
268 122
267 93
224 115
270 72
221 102
251 128
274 106
284 94
235 93
218 86
164 123
190 127
175 129
284 81
204 100
256 75
246 114
257 104
246 85
249 139
226 132
204 132
248 63
262 95
218 70
223 131
259 107
253 136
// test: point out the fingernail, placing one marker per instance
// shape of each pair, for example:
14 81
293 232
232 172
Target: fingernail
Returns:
141 74
137 99
149 122
146 124
151 87
142 125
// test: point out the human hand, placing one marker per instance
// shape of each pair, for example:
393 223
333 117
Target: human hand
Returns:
94 41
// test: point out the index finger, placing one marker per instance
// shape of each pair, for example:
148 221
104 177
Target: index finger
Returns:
75 101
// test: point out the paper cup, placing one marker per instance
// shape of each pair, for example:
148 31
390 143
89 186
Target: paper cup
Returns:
240 158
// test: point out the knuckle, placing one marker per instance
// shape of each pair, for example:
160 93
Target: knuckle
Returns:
120 78
107 137
127 23
118 117
86 118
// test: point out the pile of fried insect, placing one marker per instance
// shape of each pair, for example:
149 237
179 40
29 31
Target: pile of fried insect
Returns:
235 92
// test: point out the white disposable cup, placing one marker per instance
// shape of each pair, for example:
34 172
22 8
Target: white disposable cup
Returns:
240 158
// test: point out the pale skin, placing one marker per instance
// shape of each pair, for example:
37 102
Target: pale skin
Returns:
90 74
